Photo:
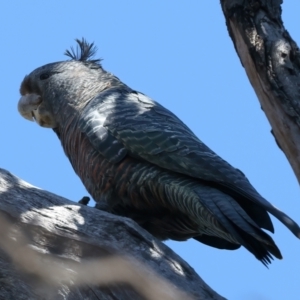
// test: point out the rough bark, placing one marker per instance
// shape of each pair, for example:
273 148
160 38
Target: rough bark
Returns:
53 248
272 62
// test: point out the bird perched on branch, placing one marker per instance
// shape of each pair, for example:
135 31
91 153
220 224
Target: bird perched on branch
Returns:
138 160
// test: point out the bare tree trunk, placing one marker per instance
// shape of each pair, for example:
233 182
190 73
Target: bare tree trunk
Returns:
57 249
272 62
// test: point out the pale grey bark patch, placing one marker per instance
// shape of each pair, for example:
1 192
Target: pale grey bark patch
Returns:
74 233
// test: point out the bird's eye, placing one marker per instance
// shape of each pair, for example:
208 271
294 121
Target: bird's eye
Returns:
44 76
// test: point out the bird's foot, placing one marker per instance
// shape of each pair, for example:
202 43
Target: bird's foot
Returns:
85 200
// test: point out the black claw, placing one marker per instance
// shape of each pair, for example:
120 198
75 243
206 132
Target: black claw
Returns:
85 200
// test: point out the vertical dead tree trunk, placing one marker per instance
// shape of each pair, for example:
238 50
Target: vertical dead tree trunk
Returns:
272 62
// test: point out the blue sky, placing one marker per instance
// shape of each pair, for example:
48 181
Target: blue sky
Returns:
180 54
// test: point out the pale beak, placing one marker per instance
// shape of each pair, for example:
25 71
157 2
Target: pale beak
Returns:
27 104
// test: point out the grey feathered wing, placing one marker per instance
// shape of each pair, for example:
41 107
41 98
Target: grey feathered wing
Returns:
122 122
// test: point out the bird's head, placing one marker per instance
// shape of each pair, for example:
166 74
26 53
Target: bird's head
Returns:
73 83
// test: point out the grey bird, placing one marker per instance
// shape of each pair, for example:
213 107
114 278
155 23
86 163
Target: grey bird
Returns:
138 160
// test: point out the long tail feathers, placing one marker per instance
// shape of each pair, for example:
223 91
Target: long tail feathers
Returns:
256 199
284 219
241 227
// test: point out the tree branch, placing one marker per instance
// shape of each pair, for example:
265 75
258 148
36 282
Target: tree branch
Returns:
272 62
57 249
